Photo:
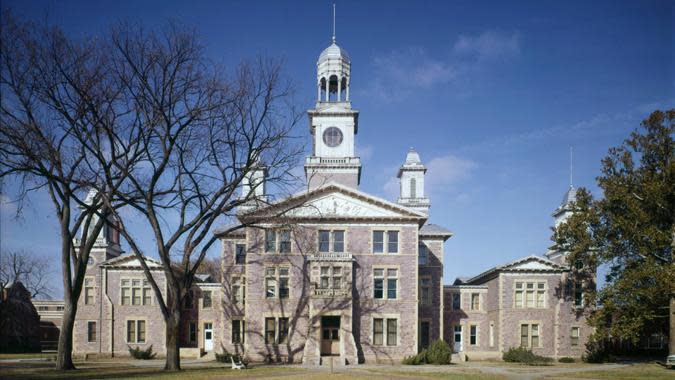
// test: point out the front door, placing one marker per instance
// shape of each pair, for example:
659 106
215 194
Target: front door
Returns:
458 339
330 336
208 337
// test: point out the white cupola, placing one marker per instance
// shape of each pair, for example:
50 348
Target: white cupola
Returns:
333 69
411 177
253 187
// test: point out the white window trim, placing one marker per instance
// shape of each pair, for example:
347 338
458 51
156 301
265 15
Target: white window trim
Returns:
385 331
536 290
385 283
385 241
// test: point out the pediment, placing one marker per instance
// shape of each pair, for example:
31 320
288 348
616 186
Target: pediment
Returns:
532 263
131 261
336 202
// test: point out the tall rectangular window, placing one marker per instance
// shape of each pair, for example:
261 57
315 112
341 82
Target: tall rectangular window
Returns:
530 295
240 254
283 283
425 291
524 335
475 301
325 278
423 254
337 277
378 331
529 335
541 295
192 332
578 295
285 242
473 335
135 331
378 241
456 301
324 241
131 331
392 241
392 283
206 299
237 331
338 241
277 282
392 332
91 331
381 277
519 295
378 283
89 291
270 241
270 333
574 337
283 330
135 292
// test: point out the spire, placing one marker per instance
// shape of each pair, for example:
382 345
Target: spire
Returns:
333 22
571 149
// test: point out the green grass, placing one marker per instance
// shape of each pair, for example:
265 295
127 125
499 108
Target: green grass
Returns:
452 373
28 355
633 372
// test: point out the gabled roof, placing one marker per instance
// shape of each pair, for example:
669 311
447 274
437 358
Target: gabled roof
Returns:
533 264
434 230
334 201
131 261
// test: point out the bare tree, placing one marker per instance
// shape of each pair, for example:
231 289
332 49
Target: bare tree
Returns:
57 97
32 271
203 136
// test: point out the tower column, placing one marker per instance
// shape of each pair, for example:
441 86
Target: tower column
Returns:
327 89
339 88
318 92
347 99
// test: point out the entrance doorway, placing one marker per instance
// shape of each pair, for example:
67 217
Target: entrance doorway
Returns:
458 339
208 336
330 336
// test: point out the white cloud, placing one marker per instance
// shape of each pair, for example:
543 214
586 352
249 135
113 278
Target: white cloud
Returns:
399 73
365 152
489 45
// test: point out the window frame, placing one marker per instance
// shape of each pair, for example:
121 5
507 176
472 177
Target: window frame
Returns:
473 335
241 326
137 331
386 336
525 297
428 299
477 305
239 254
386 279
422 259
530 327
574 340
92 332
204 298
143 290
89 290
278 279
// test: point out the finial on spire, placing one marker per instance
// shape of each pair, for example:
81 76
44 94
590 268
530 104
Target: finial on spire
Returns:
571 161
333 22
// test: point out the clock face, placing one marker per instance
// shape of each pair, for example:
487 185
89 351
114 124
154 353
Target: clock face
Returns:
332 137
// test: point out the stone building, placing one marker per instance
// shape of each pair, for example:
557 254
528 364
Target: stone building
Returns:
332 271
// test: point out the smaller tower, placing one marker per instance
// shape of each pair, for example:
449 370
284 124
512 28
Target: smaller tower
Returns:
411 177
253 188
565 209
107 245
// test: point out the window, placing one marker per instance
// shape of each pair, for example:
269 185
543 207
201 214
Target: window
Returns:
379 332
240 254
135 331
337 238
285 242
473 335
89 291
206 299
192 332
413 188
324 241
492 334
381 277
475 301
425 291
529 335
60 308
378 241
283 330
91 331
270 332
325 277
456 301
277 282
578 295
392 241
423 254
136 292
337 277
425 331
530 295
237 331
270 241
238 290
574 337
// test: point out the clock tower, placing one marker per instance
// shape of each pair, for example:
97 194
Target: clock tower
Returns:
333 124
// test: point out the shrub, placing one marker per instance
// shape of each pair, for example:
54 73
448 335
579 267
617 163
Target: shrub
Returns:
566 359
525 356
596 352
438 352
146 354
227 357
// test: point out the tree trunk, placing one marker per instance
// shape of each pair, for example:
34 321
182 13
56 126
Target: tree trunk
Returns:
64 356
172 339
671 311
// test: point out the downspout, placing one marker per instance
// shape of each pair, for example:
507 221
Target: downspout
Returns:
112 314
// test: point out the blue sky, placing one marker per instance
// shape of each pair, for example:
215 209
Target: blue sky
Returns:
491 95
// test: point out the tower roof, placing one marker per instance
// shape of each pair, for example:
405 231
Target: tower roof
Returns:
333 52
566 204
412 162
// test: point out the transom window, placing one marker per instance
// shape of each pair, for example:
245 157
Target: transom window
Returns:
331 241
136 292
276 282
331 277
385 281
529 335
385 327
530 294
277 241
382 239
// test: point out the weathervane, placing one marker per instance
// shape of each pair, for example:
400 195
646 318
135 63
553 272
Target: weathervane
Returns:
333 22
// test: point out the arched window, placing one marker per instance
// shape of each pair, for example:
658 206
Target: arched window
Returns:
413 188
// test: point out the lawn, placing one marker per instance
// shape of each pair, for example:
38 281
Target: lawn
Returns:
28 356
632 372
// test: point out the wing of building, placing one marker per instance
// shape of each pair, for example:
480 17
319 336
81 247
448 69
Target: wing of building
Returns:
334 271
